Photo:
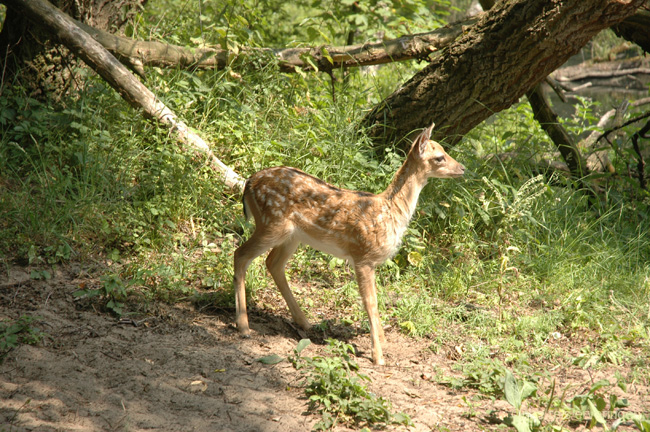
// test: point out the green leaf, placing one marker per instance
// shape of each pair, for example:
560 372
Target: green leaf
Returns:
115 306
408 326
402 418
304 343
598 385
595 413
335 262
519 422
511 390
270 359
89 293
415 258
642 424
529 389
327 55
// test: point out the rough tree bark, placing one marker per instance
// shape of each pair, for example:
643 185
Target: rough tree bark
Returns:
509 50
44 68
130 88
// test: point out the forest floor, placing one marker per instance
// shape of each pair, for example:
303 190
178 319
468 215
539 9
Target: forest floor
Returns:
177 368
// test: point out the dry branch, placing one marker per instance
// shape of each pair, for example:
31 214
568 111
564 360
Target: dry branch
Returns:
326 58
124 82
604 70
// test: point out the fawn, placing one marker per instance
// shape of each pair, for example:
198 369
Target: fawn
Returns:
291 207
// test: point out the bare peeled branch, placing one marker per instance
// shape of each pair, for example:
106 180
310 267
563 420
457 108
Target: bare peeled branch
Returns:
122 80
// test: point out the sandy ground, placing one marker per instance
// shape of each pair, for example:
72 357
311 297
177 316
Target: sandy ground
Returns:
179 369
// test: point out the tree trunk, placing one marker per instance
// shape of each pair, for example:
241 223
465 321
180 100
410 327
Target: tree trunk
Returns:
30 58
548 120
636 28
510 49
110 69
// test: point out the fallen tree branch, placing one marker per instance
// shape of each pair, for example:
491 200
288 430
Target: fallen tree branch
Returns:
137 54
587 74
598 160
326 58
124 82
603 70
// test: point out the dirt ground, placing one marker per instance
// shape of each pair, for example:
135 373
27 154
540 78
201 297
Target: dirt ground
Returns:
179 369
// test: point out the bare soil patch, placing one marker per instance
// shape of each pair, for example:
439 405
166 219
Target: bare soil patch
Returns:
179 369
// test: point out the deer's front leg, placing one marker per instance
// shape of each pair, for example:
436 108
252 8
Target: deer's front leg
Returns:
244 255
368 291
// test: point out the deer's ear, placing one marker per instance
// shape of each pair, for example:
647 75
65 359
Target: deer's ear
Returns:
422 139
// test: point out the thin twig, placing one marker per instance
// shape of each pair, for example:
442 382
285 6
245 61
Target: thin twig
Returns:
627 123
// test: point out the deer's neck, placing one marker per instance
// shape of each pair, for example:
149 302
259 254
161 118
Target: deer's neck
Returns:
402 194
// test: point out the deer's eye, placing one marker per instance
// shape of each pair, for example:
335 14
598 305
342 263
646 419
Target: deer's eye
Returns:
439 159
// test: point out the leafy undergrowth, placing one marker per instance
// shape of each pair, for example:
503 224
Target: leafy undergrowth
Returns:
335 388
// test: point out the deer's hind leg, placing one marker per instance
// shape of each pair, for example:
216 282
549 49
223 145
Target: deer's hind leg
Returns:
276 263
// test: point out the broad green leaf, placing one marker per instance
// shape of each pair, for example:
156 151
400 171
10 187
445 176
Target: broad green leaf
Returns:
511 390
595 413
519 422
270 359
528 390
598 385
415 258
304 343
